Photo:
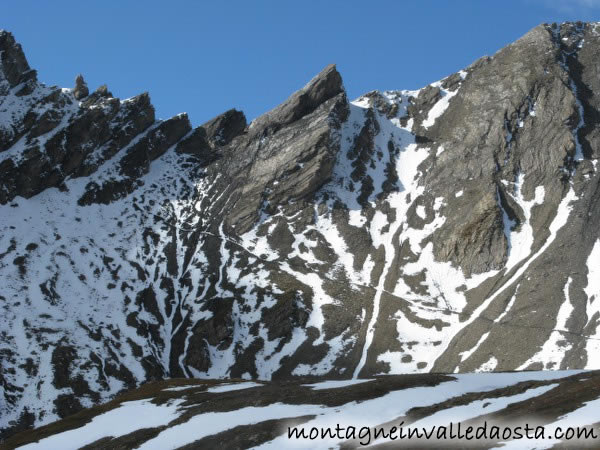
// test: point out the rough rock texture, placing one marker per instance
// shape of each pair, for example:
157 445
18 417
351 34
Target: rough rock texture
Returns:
81 89
285 155
15 69
453 228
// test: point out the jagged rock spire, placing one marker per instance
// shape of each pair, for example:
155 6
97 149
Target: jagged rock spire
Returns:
81 89
13 64
324 86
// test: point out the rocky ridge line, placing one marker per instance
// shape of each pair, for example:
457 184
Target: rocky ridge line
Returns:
406 231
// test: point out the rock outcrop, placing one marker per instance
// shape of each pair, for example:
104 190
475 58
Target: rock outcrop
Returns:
14 67
80 90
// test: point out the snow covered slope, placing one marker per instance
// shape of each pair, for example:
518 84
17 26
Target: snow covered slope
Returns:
449 229
199 414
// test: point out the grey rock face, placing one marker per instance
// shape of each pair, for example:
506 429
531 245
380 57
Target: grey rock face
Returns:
205 141
453 228
222 129
15 69
65 140
81 90
283 156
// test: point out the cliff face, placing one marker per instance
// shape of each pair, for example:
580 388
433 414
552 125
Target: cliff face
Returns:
449 229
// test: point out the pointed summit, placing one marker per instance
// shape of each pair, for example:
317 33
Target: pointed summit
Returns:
324 86
81 89
13 64
327 84
288 153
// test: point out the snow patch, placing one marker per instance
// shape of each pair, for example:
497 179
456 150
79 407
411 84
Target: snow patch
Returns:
336 384
229 387
439 108
127 418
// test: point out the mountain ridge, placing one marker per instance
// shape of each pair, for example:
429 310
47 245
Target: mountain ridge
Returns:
406 231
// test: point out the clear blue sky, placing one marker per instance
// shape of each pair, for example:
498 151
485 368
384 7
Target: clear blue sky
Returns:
206 57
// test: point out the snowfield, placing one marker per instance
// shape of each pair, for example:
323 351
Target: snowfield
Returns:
261 414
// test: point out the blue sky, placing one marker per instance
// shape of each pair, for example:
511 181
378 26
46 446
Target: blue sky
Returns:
206 57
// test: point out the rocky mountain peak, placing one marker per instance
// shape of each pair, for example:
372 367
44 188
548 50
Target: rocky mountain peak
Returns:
14 68
81 89
286 154
324 86
222 129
